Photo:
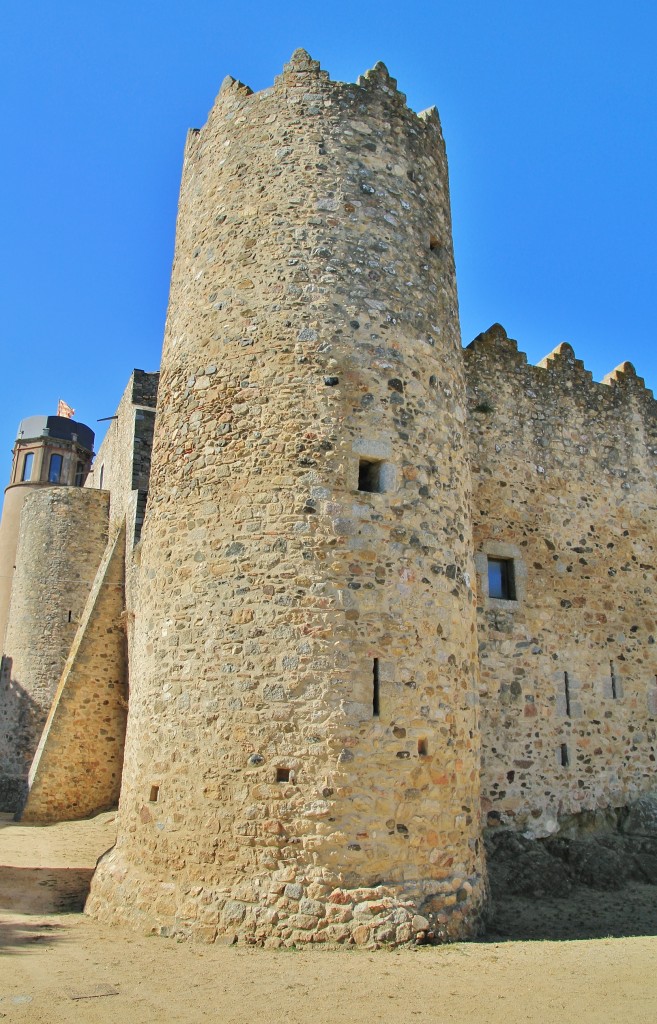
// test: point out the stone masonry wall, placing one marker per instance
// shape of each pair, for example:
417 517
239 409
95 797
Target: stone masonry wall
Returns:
302 757
63 532
564 487
123 460
77 768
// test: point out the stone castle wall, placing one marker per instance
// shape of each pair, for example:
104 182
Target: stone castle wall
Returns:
122 464
62 536
76 771
564 487
302 750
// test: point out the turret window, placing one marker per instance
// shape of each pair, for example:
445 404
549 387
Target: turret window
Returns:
55 469
27 467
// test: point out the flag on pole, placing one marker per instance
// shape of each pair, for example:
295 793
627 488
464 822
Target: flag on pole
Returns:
64 409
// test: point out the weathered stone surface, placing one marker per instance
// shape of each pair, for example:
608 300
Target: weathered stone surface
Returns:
641 818
563 480
63 533
288 604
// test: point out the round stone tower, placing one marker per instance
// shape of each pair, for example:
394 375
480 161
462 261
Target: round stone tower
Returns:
62 536
48 450
302 759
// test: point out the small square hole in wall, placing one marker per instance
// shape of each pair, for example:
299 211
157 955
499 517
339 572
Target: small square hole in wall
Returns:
501 579
282 774
370 476
433 243
155 794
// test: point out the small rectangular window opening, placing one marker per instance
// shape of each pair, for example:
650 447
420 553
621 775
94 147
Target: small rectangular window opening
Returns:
369 476
563 755
55 469
433 243
422 748
79 474
27 467
70 615
155 794
566 686
375 689
102 474
501 579
614 681
282 774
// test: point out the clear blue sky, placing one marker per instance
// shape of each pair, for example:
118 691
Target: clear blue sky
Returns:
549 112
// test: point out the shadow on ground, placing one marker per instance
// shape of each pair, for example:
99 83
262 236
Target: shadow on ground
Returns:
585 913
21 936
33 890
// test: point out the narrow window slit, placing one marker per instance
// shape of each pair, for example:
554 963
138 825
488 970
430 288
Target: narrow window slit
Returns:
422 748
614 681
563 754
433 243
566 687
155 794
375 688
282 774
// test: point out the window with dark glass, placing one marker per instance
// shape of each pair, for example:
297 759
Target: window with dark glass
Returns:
55 469
501 582
79 474
27 466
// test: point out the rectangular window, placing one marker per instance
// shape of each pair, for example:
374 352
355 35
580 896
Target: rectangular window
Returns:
501 579
79 474
27 467
55 469
369 476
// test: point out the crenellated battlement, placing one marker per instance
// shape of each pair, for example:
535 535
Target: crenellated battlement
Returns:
492 357
309 88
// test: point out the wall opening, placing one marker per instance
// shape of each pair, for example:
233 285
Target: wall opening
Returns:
282 774
70 615
155 794
370 476
433 243
79 474
614 681
376 695
563 755
55 469
422 747
566 688
102 474
501 579
27 467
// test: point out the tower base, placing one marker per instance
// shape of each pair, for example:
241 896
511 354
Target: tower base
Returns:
282 909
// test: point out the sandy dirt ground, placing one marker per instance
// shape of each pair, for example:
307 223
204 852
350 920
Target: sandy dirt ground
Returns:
56 968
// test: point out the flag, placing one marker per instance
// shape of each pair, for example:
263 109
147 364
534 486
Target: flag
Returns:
63 409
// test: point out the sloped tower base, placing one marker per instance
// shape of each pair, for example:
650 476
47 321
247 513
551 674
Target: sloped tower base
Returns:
302 756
